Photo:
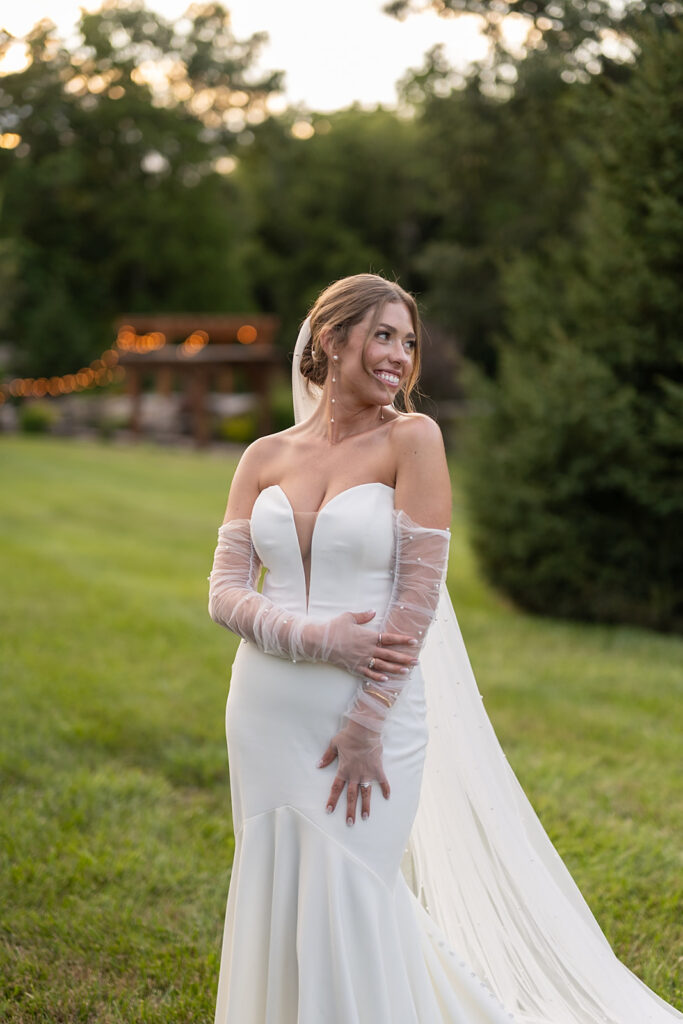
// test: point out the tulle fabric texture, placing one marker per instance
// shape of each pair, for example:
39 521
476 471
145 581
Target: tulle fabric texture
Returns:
234 601
480 861
421 556
420 563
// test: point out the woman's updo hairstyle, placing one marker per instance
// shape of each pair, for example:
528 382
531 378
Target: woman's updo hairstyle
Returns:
344 304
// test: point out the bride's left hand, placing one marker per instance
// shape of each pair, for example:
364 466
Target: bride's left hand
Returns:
360 761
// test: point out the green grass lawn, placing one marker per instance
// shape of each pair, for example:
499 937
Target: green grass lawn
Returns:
115 827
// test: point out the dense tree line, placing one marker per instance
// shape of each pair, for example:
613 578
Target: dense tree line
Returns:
575 478
114 200
533 203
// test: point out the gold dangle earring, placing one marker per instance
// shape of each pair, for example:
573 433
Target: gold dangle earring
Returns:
334 381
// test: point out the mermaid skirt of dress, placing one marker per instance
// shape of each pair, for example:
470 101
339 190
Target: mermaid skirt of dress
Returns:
321 926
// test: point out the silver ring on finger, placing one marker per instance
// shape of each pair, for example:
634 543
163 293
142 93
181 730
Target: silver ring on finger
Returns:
371 663
365 785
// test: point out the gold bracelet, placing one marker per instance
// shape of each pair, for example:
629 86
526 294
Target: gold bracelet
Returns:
381 696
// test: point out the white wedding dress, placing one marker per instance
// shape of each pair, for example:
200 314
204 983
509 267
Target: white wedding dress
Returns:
327 924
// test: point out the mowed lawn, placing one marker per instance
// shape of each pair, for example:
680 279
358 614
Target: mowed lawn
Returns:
115 826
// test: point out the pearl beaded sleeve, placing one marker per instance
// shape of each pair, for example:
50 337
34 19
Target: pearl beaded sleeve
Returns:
234 602
421 560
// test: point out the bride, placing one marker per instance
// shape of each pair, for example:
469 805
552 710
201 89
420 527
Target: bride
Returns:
388 867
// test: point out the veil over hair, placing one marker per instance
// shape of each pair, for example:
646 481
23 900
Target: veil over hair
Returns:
479 860
305 394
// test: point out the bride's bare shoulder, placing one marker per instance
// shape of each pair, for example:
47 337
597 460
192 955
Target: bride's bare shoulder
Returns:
260 453
422 480
255 466
415 432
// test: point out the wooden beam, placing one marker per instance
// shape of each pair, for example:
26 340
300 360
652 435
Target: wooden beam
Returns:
221 328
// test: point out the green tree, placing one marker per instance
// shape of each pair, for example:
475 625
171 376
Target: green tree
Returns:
351 197
572 32
505 174
113 201
575 476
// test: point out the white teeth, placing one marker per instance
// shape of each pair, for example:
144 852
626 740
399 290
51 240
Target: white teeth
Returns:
390 378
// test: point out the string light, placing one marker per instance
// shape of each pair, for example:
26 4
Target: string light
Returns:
129 341
100 373
247 334
194 343
105 370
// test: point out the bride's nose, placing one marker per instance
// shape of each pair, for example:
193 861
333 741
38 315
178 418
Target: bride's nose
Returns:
398 354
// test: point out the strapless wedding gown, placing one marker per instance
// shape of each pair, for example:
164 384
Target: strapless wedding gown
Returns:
321 925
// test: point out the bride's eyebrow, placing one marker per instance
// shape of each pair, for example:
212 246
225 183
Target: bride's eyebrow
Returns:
392 330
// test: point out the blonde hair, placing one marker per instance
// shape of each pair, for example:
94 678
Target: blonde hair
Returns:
345 303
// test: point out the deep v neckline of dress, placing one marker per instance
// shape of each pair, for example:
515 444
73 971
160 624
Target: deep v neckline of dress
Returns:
317 515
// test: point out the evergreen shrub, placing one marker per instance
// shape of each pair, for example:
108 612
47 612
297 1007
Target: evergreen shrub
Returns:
575 472
37 417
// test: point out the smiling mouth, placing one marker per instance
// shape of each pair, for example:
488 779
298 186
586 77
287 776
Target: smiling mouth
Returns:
392 379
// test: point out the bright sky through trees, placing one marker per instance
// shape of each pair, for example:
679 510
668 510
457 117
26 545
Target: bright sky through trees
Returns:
333 54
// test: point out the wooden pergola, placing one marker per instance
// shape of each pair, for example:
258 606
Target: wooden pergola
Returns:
203 351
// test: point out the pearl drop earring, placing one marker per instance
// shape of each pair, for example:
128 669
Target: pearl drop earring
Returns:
334 380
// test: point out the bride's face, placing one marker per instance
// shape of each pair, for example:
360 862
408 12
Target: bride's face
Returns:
376 370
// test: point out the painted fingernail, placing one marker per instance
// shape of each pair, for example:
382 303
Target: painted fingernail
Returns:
404 671
364 815
385 679
329 808
412 643
349 821
320 763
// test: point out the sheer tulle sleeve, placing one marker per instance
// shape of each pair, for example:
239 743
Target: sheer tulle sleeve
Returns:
235 602
421 560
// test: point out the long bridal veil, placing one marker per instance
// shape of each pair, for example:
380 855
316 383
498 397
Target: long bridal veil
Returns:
480 861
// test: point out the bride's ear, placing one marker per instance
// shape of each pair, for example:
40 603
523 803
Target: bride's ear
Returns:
328 342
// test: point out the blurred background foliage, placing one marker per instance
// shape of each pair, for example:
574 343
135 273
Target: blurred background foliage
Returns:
534 203
581 504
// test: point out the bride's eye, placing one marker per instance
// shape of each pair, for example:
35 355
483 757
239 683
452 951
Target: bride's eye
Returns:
409 344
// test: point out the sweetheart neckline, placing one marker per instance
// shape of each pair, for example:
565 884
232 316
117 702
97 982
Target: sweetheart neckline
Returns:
293 514
354 487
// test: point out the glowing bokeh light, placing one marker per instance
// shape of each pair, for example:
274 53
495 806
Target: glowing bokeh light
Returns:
247 334
194 343
106 369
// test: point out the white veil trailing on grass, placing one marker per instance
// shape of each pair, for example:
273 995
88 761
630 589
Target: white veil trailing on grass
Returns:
480 861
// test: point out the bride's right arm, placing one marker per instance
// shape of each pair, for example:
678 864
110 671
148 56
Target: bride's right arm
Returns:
234 601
